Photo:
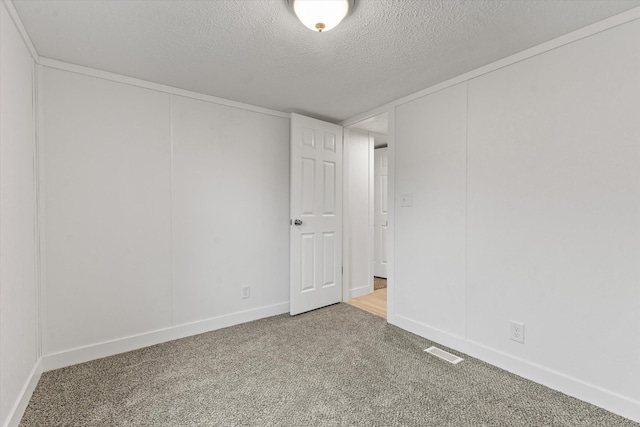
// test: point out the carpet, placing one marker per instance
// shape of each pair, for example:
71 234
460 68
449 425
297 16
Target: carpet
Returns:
337 366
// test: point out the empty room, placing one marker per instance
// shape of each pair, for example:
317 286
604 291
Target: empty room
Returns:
319 212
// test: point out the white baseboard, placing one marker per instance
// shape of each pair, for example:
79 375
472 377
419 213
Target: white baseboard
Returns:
608 400
109 348
16 413
590 393
360 291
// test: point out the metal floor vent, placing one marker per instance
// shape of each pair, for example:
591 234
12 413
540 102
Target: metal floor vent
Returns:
451 358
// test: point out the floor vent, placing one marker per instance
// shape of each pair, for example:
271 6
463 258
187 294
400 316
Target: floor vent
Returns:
451 358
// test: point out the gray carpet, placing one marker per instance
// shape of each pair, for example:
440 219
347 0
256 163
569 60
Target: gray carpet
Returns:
336 366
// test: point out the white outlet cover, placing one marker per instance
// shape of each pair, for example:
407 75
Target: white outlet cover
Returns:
516 332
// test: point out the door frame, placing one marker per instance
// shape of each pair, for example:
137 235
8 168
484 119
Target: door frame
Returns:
390 110
346 223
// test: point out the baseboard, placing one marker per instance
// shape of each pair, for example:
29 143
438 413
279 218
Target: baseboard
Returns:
110 348
590 393
16 413
360 291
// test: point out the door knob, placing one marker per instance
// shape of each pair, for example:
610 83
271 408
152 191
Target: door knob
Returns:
297 222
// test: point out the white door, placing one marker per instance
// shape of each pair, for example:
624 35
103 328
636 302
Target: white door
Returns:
380 222
316 214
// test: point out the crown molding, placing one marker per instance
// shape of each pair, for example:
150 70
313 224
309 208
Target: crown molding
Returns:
13 13
132 81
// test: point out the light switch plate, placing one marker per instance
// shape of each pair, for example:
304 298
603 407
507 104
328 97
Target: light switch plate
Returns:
406 200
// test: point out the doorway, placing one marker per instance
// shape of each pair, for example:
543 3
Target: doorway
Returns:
366 219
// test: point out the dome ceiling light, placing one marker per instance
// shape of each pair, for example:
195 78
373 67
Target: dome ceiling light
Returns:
321 15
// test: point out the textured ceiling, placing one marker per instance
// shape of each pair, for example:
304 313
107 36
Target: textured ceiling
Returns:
256 51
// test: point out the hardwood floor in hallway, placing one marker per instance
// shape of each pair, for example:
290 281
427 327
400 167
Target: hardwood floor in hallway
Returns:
375 303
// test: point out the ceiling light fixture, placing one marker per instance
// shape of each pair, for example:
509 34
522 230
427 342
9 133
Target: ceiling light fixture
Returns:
321 15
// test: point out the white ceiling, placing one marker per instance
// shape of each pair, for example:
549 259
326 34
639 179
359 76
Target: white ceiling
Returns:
256 51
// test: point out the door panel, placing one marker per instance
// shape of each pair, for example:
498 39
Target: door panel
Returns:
329 259
329 188
307 193
316 202
307 262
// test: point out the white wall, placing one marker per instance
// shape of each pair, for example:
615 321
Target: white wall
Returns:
358 232
526 187
158 208
18 289
430 235
230 209
554 208
108 210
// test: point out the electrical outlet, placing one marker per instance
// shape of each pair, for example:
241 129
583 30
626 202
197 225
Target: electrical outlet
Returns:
246 292
516 332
